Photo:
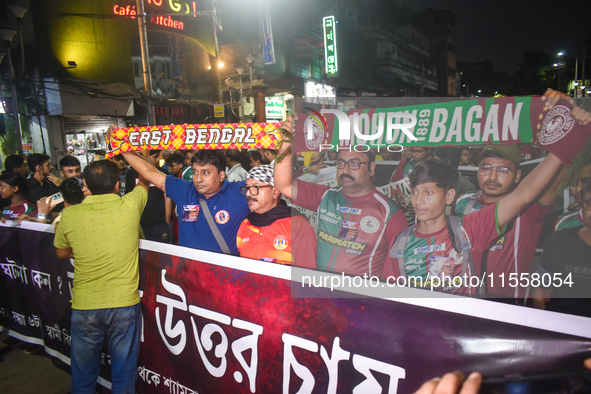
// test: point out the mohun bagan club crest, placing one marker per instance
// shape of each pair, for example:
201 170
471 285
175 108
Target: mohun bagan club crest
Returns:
315 128
557 123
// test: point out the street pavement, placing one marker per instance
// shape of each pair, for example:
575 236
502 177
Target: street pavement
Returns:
22 372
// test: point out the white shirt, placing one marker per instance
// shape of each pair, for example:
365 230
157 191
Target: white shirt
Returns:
236 173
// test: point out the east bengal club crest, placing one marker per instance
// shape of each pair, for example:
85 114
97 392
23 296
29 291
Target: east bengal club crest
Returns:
280 242
222 217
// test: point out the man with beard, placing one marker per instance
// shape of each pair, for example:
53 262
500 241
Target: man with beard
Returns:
268 156
355 221
269 231
42 182
513 251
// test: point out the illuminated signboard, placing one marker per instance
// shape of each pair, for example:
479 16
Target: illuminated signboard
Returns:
184 17
274 108
172 11
330 46
319 93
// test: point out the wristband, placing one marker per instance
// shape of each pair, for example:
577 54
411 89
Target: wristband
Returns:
41 216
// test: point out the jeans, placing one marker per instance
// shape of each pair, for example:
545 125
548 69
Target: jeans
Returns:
121 328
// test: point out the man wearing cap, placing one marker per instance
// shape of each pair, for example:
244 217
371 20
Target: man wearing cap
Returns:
513 251
269 231
355 222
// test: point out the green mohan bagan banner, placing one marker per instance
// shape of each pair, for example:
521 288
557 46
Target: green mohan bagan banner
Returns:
500 120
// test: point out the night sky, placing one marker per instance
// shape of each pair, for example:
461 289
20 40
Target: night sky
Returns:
501 30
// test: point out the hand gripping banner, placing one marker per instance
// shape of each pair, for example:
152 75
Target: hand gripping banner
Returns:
482 121
194 136
216 323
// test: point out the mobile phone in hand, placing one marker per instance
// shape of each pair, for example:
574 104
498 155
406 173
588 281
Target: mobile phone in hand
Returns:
55 199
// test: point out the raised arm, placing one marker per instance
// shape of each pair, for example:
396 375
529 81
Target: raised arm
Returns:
143 182
144 168
528 190
282 172
544 177
550 195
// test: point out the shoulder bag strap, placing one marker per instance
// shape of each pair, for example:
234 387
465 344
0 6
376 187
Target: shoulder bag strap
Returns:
397 250
214 229
462 245
471 202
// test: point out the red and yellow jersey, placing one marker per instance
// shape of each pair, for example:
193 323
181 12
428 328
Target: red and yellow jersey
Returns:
274 243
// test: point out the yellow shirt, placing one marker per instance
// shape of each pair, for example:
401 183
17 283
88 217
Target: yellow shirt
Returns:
103 233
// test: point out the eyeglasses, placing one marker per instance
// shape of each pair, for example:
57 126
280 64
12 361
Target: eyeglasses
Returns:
353 164
254 190
586 205
502 171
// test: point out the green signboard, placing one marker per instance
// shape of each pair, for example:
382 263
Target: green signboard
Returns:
330 46
274 108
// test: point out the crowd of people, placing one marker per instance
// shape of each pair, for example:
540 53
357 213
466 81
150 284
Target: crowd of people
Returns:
238 203
492 232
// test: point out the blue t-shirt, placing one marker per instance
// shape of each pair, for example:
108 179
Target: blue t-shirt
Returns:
228 208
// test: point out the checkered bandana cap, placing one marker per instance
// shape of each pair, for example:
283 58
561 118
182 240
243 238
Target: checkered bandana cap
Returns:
262 173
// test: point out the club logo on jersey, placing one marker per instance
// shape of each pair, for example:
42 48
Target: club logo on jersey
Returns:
370 225
557 123
222 217
280 242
